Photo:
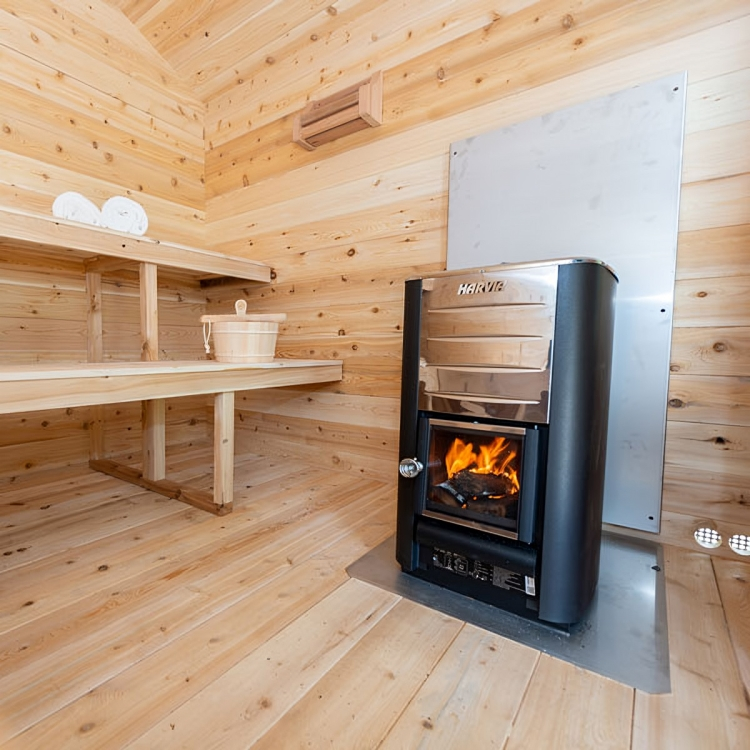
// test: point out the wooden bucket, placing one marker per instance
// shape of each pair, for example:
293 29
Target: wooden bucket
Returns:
242 338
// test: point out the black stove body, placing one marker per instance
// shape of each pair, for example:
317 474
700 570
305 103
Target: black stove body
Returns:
504 403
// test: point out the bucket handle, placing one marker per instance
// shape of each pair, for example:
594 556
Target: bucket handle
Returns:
207 336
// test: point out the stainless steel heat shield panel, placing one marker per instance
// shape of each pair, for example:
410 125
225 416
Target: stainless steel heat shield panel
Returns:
599 179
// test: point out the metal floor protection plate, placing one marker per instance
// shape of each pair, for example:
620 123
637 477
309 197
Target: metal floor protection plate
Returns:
623 636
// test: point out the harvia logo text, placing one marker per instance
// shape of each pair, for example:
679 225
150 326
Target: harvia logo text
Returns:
481 287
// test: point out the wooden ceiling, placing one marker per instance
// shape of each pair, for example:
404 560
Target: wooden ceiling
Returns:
213 44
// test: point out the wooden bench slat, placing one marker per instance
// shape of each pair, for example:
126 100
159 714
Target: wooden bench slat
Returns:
25 229
34 387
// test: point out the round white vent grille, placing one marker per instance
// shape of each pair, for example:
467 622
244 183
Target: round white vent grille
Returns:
707 537
740 544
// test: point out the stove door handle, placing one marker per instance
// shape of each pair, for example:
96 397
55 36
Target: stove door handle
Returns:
410 467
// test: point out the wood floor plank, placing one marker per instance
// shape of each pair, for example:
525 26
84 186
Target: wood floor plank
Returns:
255 694
358 700
149 613
470 699
111 510
42 587
47 487
146 689
707 707
569 708
733 577
121 709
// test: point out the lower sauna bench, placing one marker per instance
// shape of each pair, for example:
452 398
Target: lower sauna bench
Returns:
25 388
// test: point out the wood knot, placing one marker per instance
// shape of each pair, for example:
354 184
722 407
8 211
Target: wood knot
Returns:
567 21
702 294
720 346
676 403
331 10
440 74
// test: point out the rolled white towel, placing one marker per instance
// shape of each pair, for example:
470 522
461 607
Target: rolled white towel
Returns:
124 215
76 207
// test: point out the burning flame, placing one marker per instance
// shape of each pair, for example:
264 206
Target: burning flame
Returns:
494 458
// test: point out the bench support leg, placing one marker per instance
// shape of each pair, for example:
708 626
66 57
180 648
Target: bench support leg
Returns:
224 448
220 502
95 352
153 413
153 422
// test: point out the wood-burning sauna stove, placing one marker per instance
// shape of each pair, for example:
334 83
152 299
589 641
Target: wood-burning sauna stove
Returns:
504 402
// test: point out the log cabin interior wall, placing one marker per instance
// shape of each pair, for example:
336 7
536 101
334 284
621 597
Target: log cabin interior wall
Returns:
101 104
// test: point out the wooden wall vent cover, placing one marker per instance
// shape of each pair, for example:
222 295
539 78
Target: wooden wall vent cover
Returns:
354 108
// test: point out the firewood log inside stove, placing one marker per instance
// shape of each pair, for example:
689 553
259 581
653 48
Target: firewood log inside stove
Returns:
494 490
439 494
472 484
467 485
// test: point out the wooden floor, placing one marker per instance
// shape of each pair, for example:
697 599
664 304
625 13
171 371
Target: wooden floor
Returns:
130 620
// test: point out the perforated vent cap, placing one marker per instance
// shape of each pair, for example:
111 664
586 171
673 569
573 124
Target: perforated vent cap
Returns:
708 537
740 544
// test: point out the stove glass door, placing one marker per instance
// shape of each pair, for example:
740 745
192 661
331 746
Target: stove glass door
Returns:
474 474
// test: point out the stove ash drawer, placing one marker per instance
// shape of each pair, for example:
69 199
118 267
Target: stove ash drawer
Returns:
529 352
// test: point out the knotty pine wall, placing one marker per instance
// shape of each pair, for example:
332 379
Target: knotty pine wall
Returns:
345 225
87 105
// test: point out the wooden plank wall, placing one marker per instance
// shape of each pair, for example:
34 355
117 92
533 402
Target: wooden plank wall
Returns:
344 225
88 106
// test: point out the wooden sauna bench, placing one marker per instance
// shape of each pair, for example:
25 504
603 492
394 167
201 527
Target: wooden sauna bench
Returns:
94 383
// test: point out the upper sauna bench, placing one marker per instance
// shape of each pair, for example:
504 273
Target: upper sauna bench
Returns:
23 229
